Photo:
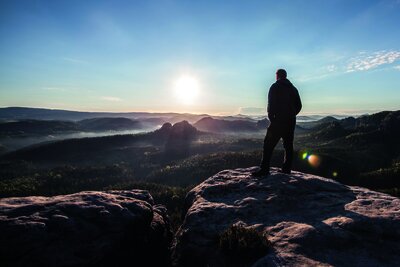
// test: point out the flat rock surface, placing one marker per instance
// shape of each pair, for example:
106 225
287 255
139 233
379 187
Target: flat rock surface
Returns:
83 229
310 220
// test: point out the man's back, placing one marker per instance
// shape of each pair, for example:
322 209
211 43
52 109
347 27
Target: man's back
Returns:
283 105
283 101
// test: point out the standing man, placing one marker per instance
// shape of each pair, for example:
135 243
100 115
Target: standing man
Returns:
283 105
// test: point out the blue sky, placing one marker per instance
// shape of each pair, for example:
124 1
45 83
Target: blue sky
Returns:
343 56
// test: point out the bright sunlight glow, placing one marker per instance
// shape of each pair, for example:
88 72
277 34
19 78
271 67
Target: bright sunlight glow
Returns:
187 89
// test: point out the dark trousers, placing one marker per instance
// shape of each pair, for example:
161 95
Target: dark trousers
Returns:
276 131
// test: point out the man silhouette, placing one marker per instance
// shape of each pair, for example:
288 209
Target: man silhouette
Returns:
283 105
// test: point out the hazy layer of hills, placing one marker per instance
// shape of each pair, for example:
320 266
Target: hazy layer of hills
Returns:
22 113
181 154
210 124
43 127
28 122
21 127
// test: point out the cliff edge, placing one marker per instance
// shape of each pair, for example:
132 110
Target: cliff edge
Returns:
308 220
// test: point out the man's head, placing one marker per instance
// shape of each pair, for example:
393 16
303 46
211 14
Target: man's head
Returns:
281 74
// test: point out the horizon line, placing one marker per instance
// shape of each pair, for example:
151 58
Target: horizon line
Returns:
338 112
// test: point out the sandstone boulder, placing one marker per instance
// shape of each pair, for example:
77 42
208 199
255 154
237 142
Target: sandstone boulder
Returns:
110 228
309 220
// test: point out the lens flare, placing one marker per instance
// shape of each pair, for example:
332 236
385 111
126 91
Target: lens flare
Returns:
314 160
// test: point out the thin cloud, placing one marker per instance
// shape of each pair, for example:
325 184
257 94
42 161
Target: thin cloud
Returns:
363 61
331 68
372 60
111 98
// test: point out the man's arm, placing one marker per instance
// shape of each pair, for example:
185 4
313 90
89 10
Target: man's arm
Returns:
271 103
297 101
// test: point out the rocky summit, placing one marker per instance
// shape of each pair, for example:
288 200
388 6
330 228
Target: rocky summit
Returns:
232 219
308 220
113 228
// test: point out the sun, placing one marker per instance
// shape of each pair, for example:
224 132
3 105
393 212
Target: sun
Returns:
187 89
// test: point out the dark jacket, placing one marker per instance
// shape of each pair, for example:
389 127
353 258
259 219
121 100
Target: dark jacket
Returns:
283 101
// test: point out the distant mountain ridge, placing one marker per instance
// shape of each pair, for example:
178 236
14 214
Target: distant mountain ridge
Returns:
379 129
174 137
312 124
20 113
23 113
210 124
46 127
385 122
29 126
101 124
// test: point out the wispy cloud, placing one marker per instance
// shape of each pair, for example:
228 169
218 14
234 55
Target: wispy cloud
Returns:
362 61
74 60
111 98
367 61
331 68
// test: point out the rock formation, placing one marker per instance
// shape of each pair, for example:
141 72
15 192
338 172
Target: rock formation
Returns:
110 228
209 124
181 135
309 220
